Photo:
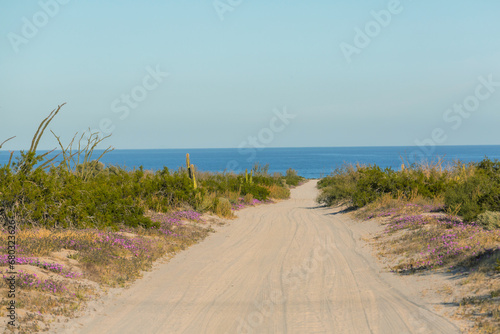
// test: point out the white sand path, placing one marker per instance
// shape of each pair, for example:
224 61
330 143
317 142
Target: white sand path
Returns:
290 267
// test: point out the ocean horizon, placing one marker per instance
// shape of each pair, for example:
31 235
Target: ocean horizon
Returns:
309 162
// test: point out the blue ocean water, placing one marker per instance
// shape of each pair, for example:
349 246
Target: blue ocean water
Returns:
310 162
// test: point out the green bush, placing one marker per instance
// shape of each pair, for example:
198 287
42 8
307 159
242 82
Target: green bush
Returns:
291 178
278 192
93 196
468 190
223 207
476 193
248 199
220 184
340 187
361 185
259 192
489 220
81 192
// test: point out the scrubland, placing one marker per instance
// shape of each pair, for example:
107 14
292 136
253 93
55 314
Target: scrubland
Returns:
437 220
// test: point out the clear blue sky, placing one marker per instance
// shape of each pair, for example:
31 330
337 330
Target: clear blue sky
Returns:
225 77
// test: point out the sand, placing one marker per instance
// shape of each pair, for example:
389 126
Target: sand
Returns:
290 267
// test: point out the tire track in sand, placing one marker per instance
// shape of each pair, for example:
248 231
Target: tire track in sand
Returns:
290 267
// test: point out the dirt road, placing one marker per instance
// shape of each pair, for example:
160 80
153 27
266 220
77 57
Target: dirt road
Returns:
290 267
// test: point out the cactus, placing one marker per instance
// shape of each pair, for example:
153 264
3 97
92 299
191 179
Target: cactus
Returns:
193 176
190 171
188 165
248 177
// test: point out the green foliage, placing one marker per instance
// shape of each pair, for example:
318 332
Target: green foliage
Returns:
258 185
80 161
476 192
191 171
258 192
248 199
80 192
258 169
291 178
361 185
489 220
278 192
112 197
249 177
468 190
223 207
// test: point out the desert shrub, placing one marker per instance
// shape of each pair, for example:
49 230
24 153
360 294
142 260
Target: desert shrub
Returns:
80 192
489 220
248 199
90 168
467 190
223 207
279 192
361 185
232 196
60 199
338 188
258 192
262 170
291 178
477 193
112 197
204 202
464 198
231 184
265 180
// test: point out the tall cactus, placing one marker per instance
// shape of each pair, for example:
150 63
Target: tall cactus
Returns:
193 176
248 177
190 170
188 165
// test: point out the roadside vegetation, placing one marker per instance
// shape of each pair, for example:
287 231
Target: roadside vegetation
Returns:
442 219
83 227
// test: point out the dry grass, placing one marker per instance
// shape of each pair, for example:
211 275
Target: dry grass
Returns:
278 192
60 270
417 239
224 208
248 199
386 206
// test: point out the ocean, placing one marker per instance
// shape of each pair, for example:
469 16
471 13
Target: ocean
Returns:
309 162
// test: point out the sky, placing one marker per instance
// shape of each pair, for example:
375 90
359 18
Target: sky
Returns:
240 73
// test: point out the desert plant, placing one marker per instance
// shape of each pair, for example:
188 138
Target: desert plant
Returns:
81 161
248 199
223 207
80 192
191 171
489 220
258 169
11 153
292 178
476 193
278 192
360 185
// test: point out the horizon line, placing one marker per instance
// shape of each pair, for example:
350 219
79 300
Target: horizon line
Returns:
270 147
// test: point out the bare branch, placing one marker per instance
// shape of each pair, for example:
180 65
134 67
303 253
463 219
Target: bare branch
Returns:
6 141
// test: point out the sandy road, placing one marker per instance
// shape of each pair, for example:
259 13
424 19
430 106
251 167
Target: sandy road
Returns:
291 267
